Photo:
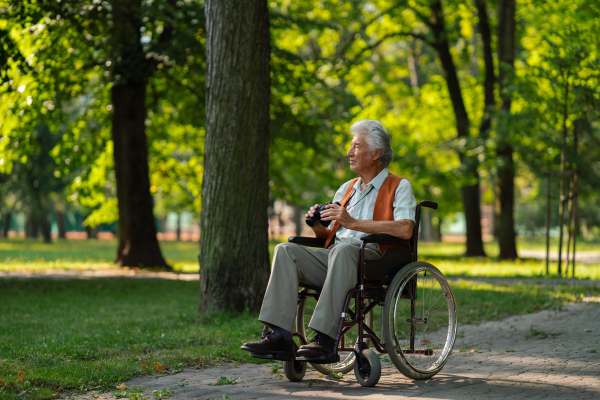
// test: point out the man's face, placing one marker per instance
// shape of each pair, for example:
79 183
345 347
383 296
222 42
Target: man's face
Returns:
361 158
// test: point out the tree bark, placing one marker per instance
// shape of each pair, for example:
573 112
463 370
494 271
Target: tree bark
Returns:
299 219
504 153
234 256
470 193
61 224
138 245
7 224
31 227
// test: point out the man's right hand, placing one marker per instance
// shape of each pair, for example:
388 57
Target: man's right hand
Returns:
319 229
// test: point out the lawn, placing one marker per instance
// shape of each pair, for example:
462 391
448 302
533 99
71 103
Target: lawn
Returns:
33 255
69 336
85 335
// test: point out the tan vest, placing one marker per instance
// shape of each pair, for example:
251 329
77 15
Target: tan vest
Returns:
384 207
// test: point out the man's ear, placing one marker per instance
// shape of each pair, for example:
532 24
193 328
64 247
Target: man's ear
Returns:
377 154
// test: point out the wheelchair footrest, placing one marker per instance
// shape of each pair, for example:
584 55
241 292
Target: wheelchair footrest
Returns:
330 359
280 357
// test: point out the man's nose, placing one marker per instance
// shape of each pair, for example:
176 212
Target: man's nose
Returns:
350 152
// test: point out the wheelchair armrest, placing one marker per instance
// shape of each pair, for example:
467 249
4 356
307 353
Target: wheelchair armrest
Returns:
382 238
307 241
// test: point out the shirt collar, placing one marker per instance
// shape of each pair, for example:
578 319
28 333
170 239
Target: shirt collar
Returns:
376 182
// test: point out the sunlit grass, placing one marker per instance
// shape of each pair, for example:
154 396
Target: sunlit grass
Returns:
33 255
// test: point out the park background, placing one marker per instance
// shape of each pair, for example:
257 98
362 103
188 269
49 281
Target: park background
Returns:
493 108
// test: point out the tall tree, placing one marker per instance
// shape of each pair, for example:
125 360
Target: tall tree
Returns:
505 163
470 191
137 231
106 55
234 257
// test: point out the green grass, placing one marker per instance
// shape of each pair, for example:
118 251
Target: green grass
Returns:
85 335
33 255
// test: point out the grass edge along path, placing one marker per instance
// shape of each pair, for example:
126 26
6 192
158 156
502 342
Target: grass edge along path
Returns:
75 336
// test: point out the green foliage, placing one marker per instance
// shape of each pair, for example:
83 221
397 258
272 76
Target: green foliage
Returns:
332 63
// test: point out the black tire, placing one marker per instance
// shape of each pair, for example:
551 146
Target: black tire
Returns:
432 327
371 372
303 314
294 370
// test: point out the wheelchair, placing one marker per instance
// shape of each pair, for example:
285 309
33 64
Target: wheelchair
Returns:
413 301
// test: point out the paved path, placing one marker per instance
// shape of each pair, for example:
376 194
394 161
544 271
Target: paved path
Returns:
584 257
495 360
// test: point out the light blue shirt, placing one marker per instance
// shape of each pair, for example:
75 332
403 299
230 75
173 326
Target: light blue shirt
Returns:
362 204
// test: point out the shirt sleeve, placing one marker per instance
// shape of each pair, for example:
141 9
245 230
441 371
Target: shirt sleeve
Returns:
404 201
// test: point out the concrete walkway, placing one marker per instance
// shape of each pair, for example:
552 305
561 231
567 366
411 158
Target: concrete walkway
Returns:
495 360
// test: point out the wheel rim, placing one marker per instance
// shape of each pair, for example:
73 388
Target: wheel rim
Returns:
298 367
434 328
306 308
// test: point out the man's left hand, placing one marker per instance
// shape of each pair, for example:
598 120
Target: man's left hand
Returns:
335 212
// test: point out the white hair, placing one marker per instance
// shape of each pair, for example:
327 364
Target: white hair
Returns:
378 137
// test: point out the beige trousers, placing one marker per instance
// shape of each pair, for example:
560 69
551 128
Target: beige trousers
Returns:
334 268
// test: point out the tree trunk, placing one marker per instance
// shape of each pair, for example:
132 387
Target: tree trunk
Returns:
45 225
178 230
505 163
470 193
426 226
234 255
138 244
7 224
299 219
31 227
61 224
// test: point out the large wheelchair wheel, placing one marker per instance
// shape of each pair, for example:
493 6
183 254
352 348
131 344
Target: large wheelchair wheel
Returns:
419 320
306 308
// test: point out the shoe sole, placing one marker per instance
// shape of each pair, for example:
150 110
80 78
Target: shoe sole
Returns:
270 355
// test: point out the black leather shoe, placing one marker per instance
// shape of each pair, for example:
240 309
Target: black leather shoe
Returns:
321 345
272 346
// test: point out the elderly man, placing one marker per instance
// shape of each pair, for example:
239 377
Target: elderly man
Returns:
375 202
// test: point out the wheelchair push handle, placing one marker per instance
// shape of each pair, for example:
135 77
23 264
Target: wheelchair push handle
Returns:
429 204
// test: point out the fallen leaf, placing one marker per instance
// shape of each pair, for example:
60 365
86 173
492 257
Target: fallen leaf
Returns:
159 366
535 326
424 341
19 378
99 397
144 365
121 386
587 330
21 373
538 380
1 384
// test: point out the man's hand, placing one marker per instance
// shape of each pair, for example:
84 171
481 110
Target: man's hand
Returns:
339 213
319 229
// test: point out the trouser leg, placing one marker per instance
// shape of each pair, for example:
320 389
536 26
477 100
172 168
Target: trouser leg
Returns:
292 264
341 277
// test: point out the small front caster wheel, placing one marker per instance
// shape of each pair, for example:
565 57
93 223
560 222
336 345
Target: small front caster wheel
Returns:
370 372
294 370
